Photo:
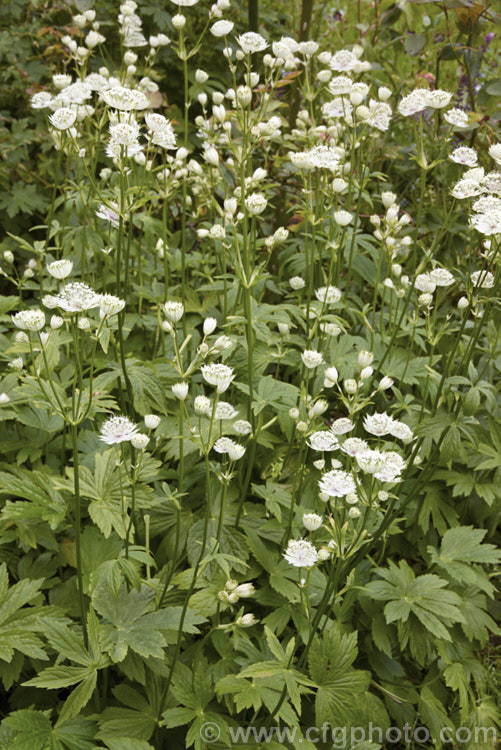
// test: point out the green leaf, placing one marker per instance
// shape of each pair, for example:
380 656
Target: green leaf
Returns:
338 683
32 730
18 622
460 548
426 598
79 698
131 621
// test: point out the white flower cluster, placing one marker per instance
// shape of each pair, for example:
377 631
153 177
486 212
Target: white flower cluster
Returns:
420 99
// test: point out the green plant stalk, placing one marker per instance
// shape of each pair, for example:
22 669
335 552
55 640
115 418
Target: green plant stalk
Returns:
208 510
180 480
78 541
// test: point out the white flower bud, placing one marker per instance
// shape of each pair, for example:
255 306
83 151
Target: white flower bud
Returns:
388 198
4 398
320 407
311 521
56 322
384 93
297 283
385 383
210 325
365 358
140 441
178 21
331 374
463 303
246 621
367 372
211 156
180 390
350 386
244 590
222 343
202 405
244 96
201 76
294 413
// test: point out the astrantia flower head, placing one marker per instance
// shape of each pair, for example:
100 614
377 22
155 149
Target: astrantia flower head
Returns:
401 431
378 424
74 297
441 277
352 446
328 294
392 467
425 283
341 426
337 108
76 93
297 283
256 203
301 553
222 28
488 222
63 118
492 182
464 155
61 80
466 188
344 60
337 483
41 100
251 42
484 279
340 85
156 122
117 430
438 99
29 320
323 440
414 102
456 117
109 213
174 311
224 410
60 269
343 218
311 358
218 375
312 521
227 445
111 305
242 427
125 99
370 461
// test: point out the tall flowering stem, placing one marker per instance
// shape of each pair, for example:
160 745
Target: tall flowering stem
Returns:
78 540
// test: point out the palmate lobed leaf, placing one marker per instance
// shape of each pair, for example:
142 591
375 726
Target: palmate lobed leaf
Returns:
426 597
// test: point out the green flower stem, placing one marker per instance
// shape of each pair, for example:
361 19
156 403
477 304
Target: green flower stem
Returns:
78 541
208 510
180 480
